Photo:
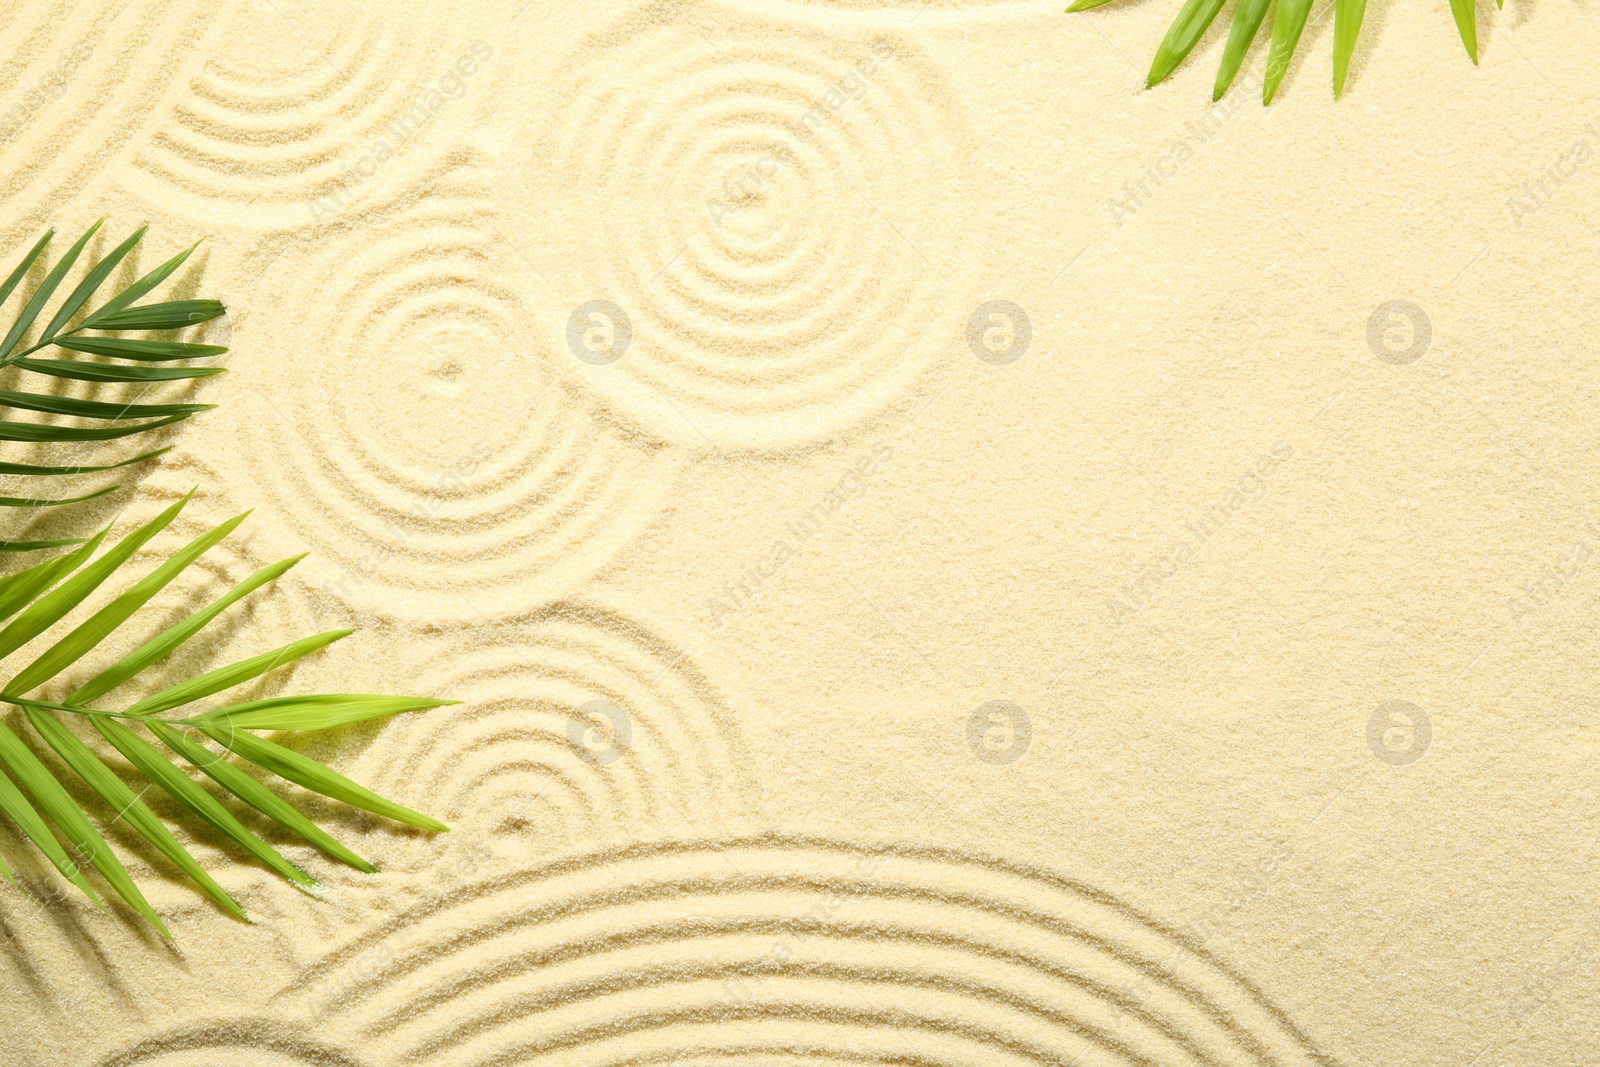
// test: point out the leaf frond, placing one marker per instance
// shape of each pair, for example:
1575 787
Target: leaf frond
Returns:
35 603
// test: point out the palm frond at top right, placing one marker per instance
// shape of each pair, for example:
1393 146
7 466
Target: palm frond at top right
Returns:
1288 21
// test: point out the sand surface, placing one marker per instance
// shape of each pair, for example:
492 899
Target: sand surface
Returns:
1036 572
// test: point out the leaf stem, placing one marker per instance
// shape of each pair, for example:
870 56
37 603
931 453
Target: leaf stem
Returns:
22 702
45 343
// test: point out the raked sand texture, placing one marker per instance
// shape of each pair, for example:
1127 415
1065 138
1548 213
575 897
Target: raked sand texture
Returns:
948 558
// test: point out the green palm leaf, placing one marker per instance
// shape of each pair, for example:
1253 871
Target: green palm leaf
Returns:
14 804
1287 25
35 601
307 772
1347 16
234 674
112 372
29 546
46 290
30 502
58 804
176 315
116 314
95 409
149 761
19 590
1186 31
41 596
1196 16
322 712
164 643
38 431
22 268
38 471
122 800
1246 21
145 351
1466 16
255 794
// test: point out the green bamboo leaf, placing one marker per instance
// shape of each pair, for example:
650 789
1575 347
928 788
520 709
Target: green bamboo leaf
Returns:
324 711
47 289
16 276
64 812
90 283
30 546
255 794
1185 32
137 289
33 471
1085 5
307 772
1246 21
20 589
14 804
1347 16
1287 25
153 765
147 351
94 409
79 370
48 609
172 315
37 431
129 808
1466 14
163 644
28 502
103 623
234 674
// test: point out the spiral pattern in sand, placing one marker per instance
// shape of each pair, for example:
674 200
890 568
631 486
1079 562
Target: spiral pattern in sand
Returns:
789 950
295 116
528 766
508 490
738 186
90 75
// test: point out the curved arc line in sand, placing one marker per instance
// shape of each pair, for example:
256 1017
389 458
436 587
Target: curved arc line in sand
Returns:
1215 995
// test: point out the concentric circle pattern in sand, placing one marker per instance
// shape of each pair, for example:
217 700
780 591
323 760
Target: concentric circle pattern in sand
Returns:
787 950
231 1042
740 186
507 488
333 115
90 75
525 767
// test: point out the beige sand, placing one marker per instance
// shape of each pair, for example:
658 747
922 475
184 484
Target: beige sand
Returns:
1203 675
